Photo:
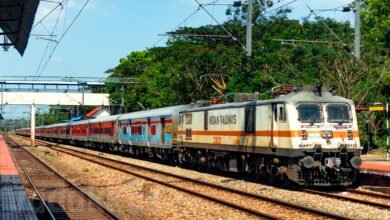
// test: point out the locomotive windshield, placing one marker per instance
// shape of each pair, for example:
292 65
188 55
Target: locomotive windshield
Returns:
338 113
310 113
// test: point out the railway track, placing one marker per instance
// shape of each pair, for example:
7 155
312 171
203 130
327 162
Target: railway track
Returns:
60 198
356 197
243 201
373 194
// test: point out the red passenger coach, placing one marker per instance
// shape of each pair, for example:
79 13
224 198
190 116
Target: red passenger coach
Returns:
78 131
107 129
103 129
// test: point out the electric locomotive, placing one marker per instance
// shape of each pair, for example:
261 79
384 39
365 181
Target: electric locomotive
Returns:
308 136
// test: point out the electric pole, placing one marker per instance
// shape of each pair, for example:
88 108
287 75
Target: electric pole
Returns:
122 99
249 29
357 30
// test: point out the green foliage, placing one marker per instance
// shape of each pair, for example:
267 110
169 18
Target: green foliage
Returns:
171 75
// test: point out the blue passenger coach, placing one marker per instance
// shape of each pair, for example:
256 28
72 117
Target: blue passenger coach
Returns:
151 128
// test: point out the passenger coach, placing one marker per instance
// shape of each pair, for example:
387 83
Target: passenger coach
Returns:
308 136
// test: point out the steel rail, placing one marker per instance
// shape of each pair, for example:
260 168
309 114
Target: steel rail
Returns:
346 198
231 190
380 195
214 199
84 194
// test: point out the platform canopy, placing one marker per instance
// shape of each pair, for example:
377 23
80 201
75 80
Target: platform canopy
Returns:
16 20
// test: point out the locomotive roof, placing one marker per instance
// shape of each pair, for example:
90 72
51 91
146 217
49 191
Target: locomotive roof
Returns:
155 112
310 96
305 95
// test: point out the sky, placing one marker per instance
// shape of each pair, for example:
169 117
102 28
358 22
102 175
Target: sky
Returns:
106 31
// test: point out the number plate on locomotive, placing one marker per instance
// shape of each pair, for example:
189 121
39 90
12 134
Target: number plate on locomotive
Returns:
332 162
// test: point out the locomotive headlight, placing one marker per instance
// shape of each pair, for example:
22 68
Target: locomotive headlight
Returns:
304 134
350 136
327 134
307 162
356 161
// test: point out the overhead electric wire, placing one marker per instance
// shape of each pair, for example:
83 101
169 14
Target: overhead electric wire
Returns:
331 9
62 36
47 15
49 43
267 12
182 22
49 1
346 47
226 30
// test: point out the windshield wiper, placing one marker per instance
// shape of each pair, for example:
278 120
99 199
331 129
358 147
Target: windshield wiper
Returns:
312 120
344 121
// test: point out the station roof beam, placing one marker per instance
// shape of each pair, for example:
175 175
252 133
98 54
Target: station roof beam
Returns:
16 20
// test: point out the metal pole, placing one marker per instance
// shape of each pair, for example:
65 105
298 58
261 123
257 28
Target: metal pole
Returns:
1 109
369 138
249 29
82 101
357 30
122 98
32 125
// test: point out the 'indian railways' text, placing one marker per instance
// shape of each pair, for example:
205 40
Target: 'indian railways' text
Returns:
222 119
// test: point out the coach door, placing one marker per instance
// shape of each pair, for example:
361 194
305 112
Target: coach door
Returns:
162 131
149 132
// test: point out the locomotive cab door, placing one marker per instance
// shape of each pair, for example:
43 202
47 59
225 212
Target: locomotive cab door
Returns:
278 130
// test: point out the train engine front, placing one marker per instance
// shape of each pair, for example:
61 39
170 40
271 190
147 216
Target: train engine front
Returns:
327 138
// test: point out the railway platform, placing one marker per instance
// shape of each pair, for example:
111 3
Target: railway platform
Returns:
375 170
14 203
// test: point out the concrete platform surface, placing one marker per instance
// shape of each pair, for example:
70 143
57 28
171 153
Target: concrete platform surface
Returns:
14 203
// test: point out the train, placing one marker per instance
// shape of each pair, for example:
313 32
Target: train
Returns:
308 136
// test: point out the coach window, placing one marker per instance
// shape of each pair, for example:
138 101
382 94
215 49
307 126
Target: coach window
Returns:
140 130
153 129
124 129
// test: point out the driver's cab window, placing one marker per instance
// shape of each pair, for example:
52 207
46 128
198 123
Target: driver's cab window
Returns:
310 113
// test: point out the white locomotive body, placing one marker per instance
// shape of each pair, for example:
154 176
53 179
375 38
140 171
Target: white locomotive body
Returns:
309 136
